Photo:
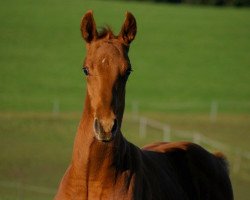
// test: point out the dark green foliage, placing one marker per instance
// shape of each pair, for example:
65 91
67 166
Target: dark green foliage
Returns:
205 2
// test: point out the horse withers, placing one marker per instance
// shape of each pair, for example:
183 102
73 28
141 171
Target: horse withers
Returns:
104 164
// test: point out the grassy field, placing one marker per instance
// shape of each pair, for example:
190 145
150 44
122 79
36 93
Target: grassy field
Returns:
183 59
192 55
36 149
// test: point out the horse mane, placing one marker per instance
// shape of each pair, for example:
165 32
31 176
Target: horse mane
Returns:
125 159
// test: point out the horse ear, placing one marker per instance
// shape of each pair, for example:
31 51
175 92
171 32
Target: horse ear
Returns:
88 27
129 29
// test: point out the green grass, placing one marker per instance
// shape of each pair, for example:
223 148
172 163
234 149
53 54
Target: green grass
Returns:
36 149
183 58
183 54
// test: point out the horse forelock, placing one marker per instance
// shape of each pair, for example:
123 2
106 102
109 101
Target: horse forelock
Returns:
105 32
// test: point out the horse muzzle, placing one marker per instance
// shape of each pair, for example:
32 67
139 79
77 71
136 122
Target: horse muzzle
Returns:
105 130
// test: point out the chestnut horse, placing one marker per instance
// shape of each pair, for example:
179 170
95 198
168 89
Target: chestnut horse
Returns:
104 164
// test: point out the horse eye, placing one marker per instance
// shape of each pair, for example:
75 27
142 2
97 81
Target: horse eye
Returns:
85 71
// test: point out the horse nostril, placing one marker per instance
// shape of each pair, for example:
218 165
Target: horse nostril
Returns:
114 128
97 126
101 128
105 130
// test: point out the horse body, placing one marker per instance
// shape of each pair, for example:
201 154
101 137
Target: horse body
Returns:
194 173
104 164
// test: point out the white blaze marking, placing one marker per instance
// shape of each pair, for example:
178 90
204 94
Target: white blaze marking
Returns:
103 60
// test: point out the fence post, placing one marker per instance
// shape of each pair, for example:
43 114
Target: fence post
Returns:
197 138
213 111
166 133
135 110
143 127
56 107
237 162
19 191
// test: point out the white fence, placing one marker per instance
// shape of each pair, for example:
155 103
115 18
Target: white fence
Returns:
18 189
239 160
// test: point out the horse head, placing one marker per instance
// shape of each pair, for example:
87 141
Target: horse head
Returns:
107 67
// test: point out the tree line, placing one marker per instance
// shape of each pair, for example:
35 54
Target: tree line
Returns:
238 3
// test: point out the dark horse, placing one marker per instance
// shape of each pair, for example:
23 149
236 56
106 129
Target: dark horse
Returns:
104 164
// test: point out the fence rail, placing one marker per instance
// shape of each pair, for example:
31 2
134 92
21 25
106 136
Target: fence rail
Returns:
240 160
30 188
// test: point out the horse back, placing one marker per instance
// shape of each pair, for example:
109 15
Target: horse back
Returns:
200 174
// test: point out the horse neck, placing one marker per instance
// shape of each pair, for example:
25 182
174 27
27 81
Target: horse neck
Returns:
91 158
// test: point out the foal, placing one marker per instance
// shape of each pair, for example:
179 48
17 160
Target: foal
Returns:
106 166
